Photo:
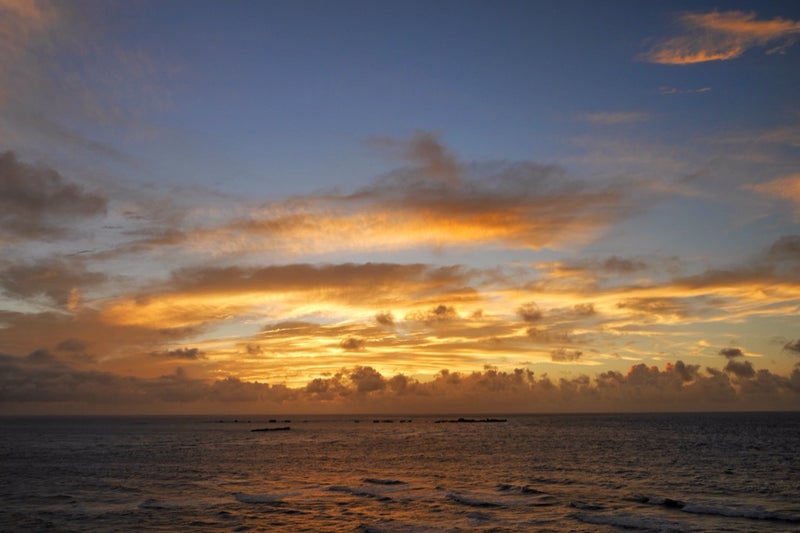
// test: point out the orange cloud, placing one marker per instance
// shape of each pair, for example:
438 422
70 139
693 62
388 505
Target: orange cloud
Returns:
786 188
435 202
720 36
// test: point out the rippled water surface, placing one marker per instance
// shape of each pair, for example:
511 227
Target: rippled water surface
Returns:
706 472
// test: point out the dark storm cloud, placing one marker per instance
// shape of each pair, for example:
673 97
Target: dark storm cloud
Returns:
730 353
188 354
33 199
740 369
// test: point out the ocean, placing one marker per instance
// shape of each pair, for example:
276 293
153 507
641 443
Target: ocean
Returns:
659 472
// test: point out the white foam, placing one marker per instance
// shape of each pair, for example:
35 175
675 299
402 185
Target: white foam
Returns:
730 509
631 522
744 511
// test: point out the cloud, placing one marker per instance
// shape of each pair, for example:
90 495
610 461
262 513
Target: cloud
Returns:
385 318
719 36
786 188
529 312
35 201
72 345
39 380
665 89
786 248
730 353
548 336
659 307
60 281
614 118
618 265
425 150
440 313
792 346
562 355
188 354
367 379
21 21
353 344
521 205
740 369
197 295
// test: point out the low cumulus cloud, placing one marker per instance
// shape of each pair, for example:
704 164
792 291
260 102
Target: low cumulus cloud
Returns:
723 35
740 369
41 379
35 200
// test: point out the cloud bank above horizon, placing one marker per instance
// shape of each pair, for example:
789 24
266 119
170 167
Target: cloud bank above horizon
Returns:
266 226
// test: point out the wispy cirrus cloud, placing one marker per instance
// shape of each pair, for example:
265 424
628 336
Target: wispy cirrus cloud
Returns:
610 118
720 36
666 89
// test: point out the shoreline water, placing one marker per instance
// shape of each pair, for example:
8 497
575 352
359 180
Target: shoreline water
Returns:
590 472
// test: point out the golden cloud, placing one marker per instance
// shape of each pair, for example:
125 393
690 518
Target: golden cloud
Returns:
720 36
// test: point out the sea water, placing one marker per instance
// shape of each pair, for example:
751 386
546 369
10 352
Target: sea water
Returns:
664 472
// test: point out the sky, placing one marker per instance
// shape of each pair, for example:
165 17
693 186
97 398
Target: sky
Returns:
399 207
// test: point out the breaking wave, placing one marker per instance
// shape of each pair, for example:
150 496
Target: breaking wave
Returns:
726 509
